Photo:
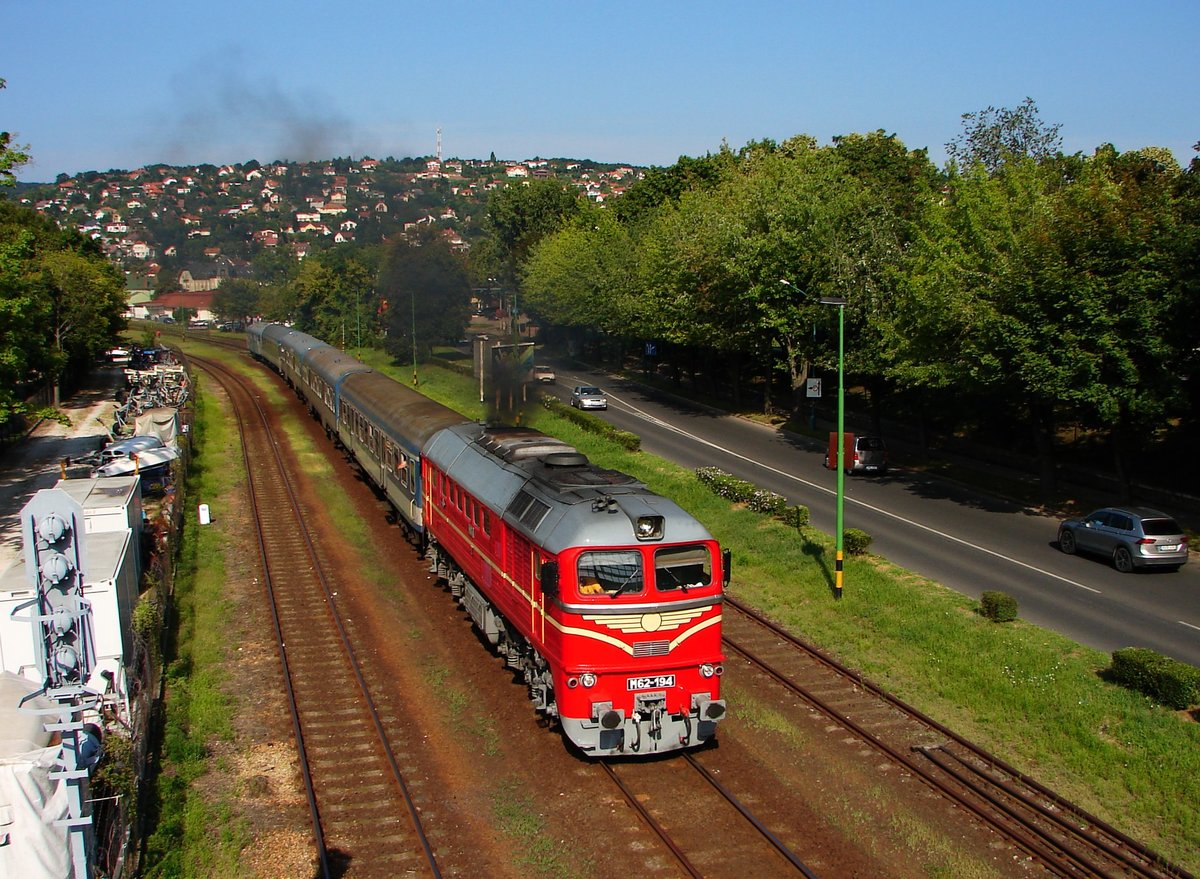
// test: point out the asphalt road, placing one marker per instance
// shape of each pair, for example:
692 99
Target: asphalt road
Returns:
968 542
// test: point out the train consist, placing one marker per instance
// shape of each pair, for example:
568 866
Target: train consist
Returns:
605 596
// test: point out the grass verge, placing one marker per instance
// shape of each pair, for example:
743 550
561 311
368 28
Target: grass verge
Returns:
1033 697
194 835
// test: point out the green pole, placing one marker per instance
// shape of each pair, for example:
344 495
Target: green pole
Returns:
841 449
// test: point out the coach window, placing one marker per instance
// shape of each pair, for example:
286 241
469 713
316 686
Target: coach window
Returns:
682 567
610 573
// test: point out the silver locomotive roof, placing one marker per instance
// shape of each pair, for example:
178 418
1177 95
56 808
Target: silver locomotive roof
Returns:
548 490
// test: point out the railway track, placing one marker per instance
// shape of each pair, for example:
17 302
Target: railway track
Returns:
1062 837
681 799
365 820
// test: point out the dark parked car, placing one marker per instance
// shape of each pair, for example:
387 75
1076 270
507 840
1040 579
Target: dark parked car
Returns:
1131 537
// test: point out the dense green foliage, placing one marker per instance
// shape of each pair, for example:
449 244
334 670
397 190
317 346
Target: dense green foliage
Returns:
1020 290
61 305
426 297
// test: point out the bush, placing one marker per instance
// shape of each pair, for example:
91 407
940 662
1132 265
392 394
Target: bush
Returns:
1169 681
796 517
739 491
629 441
999 607
462 367
856 541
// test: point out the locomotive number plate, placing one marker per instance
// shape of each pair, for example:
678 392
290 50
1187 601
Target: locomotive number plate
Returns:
653 682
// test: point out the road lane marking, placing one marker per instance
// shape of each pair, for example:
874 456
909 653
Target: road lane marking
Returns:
654 420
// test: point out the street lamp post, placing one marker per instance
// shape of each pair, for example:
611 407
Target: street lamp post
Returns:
839 537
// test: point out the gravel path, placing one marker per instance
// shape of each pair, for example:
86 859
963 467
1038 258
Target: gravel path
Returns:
36 461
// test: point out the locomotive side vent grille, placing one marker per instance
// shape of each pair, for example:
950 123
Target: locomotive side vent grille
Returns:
652 648
528 510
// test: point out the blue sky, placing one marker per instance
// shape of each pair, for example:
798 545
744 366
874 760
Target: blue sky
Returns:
102 85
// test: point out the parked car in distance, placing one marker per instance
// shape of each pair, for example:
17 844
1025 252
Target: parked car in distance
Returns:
588 397
1130 537
543 373
870 455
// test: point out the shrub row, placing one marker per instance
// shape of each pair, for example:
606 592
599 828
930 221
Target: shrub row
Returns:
462 367
1169 681
739 491
630 441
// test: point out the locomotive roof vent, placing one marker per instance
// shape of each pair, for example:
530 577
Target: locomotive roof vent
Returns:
515 444
565 459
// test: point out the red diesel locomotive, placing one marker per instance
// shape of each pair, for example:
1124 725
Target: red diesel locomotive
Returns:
603 595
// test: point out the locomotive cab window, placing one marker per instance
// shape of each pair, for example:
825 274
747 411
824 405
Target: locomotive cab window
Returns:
682 567
610 573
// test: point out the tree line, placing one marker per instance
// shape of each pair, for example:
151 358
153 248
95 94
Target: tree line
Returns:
1018 291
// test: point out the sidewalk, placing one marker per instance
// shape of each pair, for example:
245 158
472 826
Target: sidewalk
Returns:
35 461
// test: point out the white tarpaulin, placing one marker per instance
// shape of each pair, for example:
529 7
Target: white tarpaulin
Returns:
162 423
31 846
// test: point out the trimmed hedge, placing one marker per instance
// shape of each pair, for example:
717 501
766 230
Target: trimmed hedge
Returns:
739 491
856 541
999 607
462 367
630 441
1169 681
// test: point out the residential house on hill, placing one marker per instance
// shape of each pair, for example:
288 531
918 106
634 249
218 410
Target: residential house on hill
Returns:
199 304
205 276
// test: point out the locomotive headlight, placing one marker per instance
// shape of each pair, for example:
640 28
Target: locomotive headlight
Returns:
707 670
649 528
587 679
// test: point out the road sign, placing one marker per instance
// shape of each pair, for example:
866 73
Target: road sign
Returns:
814 387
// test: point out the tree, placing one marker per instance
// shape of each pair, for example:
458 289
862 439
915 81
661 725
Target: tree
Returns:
993 137
334 300
12 156
661 185
60 303
585 275
425 296
520 215
1049 292
24 311
238 299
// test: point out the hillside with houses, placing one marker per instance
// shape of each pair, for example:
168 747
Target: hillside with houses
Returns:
179 232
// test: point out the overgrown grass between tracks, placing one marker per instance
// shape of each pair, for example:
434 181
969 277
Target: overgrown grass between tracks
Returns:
1030 695
196 835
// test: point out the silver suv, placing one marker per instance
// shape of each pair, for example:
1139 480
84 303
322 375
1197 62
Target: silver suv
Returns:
1132 537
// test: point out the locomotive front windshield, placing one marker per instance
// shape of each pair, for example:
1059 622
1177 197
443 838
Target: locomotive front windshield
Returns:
610 573
613 573
682 567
